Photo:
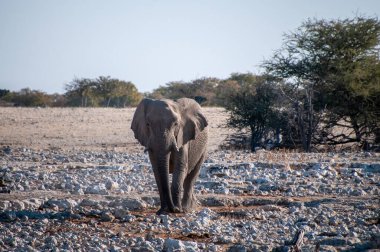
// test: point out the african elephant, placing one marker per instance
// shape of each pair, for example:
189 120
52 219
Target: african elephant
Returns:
175 135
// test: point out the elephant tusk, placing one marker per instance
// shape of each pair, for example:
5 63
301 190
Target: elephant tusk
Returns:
176 147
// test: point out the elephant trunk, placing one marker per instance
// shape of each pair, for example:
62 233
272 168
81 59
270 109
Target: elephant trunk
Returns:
174 144
160 150
162 179
168 143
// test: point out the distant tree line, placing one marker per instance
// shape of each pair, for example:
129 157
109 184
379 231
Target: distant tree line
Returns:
322 88
27 97
81 92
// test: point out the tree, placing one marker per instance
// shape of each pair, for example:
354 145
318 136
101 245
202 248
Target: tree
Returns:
172 90
225 91
202 89
336 65
4 92
106 88
252 106
81 92
126 95
29 98
102 91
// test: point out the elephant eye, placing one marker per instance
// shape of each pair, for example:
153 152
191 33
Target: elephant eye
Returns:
147 124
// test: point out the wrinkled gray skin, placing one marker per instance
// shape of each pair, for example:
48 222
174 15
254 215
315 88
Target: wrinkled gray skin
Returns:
175 135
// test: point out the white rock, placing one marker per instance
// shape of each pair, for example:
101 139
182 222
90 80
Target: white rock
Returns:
96 189
62 204
89 202
172 245
18 205
4 205
111 185
205 216
31 205
129 204
120 213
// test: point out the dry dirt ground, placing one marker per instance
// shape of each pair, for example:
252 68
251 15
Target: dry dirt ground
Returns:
85 128
247 201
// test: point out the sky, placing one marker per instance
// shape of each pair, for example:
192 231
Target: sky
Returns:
45 44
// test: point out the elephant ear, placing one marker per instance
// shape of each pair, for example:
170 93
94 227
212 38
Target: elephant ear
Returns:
138 125
193 121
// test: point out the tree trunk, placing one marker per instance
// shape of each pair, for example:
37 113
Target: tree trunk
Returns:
255 137
310 115
301 126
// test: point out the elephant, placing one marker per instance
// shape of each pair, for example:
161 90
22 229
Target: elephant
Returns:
175 135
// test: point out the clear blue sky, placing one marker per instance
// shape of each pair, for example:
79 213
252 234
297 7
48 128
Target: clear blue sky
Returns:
45 44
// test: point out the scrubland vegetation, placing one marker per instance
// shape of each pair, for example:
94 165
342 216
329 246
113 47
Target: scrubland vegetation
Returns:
320 90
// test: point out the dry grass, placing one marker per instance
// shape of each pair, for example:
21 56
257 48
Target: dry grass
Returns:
85 128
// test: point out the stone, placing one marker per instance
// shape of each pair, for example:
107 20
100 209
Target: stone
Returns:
4 205
237 248
327 248
8 216
77 191
31 205
172 245
90 203
191 246
334 242
219 171
97 189
358 192
51 240
62 204
268 187
165 220
120 213
129 218
111 185
18 205
107 216
129 203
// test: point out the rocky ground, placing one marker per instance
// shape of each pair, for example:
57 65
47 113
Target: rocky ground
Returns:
80 197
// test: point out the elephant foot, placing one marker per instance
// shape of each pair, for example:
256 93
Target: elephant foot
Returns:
189 204
163 211
166 210
177 210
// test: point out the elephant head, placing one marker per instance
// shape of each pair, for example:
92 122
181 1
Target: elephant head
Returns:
164 127
161 125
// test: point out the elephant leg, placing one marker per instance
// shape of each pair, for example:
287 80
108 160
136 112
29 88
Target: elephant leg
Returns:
179 174
189 201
